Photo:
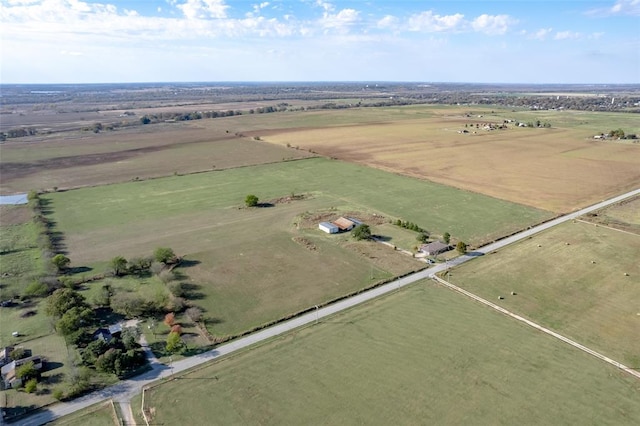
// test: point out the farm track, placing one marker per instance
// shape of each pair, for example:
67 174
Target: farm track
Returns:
130 388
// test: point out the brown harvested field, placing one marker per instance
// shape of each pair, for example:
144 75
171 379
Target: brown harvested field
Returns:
81 159
558 169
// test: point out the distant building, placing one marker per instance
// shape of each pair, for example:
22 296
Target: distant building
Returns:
434 248
328 227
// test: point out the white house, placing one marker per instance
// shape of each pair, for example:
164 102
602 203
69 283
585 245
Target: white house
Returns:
328 227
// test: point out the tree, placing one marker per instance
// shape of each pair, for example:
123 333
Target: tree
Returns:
361 232
62 300
60 261
170 319
251 200
461 247
118 265
176 328
446 237
174 343
130 337
164 255
26 371
74 320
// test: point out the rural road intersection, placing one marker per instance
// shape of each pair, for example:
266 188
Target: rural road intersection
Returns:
125 390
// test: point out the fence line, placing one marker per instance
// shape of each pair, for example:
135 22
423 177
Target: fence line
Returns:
540 328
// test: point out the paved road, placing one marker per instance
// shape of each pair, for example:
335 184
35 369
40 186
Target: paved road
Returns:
129 388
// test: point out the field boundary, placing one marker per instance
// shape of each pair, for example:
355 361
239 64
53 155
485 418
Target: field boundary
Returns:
530 323
607 227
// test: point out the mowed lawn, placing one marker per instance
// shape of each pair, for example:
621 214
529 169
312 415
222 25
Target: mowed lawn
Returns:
424 355
559 286
560 168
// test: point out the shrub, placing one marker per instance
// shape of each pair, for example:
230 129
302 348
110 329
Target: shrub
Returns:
60 261
251 200
167 276
58 394
177 288
31 386
36 288
156 268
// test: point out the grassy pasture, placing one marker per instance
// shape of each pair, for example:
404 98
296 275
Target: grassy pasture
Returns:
423 355
247 262
102 414
557 169
559 287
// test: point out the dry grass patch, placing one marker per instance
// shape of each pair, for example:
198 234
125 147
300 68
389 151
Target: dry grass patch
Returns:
572 280
557 169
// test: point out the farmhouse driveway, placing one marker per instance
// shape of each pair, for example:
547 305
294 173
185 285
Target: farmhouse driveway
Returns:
127 389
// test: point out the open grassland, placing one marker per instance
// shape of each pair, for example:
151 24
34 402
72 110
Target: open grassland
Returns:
99 415
559 286
423 355
127 218
559 169
255 265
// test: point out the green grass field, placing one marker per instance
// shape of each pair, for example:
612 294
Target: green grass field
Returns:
423 355
247 263
559 287
98 415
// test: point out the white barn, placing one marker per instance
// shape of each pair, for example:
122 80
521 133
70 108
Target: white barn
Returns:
328 227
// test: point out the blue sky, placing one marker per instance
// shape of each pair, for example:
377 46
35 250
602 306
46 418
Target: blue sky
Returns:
76 41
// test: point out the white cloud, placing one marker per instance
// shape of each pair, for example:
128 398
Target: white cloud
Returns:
340 21
567 35
388 22
492 24
71 53
620 7
541 34
626 7
203 9
429 22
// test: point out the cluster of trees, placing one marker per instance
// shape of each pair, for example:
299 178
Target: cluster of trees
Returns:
409 225
18 133
619 134
120 355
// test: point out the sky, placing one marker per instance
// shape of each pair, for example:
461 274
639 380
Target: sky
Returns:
507 41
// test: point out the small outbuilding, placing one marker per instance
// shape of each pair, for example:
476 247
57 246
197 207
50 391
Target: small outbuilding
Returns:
434 248
344 224
328 227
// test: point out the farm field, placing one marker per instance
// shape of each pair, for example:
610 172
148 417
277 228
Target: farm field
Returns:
624 216
246 262
559 169
87 159
409 358
559 286
100 415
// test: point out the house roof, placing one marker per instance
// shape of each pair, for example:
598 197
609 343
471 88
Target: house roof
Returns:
328 225
434 247
343 223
